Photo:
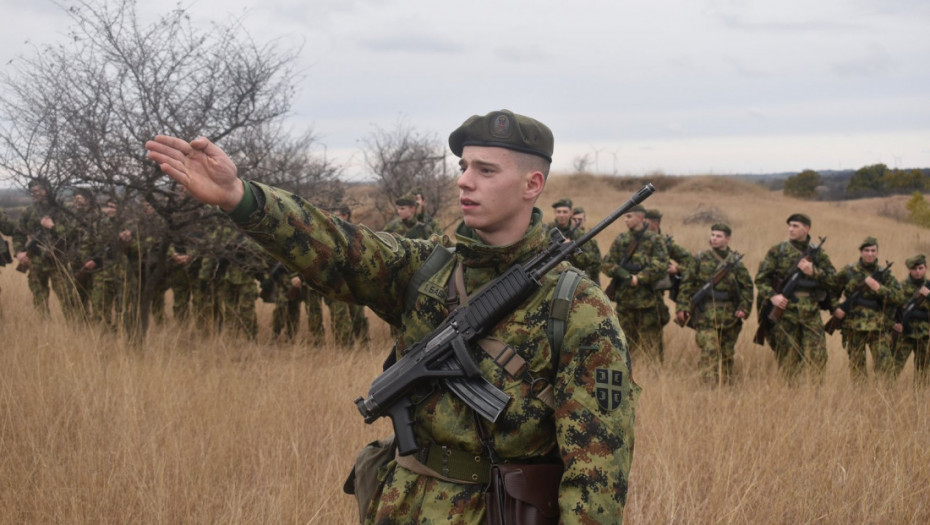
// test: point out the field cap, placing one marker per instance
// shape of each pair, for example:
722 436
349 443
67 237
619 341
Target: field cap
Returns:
916 260
577 210
504 129
721 227
638 208
562 203
799 217
406 200
653 214
868 241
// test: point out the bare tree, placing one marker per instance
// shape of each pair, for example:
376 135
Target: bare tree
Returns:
404 159
79 112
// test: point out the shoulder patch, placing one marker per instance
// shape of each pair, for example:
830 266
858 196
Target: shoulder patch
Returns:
608 387
388 240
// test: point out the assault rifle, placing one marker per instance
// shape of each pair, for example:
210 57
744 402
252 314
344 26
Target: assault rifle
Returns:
701 295
904 315
444 354
676 278
769 314
852 298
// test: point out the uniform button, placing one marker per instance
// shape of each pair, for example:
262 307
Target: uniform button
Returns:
474 477
477 459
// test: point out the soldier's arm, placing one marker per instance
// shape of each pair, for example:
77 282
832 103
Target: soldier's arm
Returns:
656 265
766 275
691 282
611 264
349 263
595 398
745 288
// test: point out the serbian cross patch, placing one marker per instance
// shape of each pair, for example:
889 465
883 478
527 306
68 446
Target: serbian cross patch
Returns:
608 389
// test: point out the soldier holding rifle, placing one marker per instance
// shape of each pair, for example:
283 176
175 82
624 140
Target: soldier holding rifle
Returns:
872 294
715 299
912 322
791 321
504 162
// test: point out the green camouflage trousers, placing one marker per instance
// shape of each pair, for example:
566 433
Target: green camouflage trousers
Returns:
879 343
800 347
920 347
643 329
718 346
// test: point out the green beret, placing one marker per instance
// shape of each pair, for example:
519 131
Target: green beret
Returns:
406 200
799 217
915 261
577 210
504 129
639 208
562 203
868 241
721 227
653 214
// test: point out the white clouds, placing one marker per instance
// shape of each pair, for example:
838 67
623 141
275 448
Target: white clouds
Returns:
663 82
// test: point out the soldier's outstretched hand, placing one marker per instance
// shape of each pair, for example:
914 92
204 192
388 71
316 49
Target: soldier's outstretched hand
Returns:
205 170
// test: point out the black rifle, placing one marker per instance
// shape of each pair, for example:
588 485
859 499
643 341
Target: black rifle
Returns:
904 315
676 278
701 295
769 314
852 298
444 354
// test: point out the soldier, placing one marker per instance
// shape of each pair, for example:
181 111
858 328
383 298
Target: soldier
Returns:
108 246
872 294
679 257
636 261
6 228
798 339
406 207
590 257
84 216
585 258
717 315
912 334
39 241
287 294
504 164
347 320
424 217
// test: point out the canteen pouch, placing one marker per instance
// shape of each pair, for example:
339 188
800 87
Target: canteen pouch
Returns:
524 494
363 480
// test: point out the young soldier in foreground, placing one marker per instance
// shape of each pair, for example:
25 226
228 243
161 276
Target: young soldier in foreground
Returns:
504 162
913 322
871 298
798 338
718 316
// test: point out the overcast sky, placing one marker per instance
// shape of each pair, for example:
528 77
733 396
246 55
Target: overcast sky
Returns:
678 86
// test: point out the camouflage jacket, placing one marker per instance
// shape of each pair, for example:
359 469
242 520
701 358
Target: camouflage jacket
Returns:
588 258
6 225
593 439
872 310
649 262
49 243
731 294
919 324
778 263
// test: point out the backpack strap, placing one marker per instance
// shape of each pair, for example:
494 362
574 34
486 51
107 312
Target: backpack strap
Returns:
559 308
436 260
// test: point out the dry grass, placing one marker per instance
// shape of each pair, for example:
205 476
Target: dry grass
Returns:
190 430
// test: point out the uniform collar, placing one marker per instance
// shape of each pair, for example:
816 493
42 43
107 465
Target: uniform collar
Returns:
475 253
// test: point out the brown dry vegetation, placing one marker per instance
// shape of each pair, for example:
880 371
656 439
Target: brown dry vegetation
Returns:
192 430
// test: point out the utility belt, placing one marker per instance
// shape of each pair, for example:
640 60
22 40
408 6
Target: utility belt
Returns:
448 464
867 303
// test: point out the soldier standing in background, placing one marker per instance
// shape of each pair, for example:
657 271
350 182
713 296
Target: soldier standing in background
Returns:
430 225
590 257
678 259
717 316
637 260
348 321
872 296
108 244
912 334
798 338
38 242
585 258
6 228
287 294
406 207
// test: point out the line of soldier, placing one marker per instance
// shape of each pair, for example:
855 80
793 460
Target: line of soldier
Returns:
713 294
99 260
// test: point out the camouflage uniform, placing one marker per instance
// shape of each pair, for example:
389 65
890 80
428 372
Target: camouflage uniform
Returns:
869 321
287 299
6 228
639 307
108 253
588 259
684 260
798 339
594 442
715 323
916 335
313 304
46 255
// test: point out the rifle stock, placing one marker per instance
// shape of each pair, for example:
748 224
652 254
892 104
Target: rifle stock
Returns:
444 354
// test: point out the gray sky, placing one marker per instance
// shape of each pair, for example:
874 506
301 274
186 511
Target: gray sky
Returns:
677 86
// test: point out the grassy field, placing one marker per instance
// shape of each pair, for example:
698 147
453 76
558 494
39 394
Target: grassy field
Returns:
186 429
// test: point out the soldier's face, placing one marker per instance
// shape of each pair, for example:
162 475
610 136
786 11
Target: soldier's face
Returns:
38 193
918 271
653 225
110 210
405 212
719 240
797 231
80 203
869 254
563 215
497 193
578 220
634 220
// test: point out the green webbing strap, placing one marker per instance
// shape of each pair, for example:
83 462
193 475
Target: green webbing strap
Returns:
560 307
436 260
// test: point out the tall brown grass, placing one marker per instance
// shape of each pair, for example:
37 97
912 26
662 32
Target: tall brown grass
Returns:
185 429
